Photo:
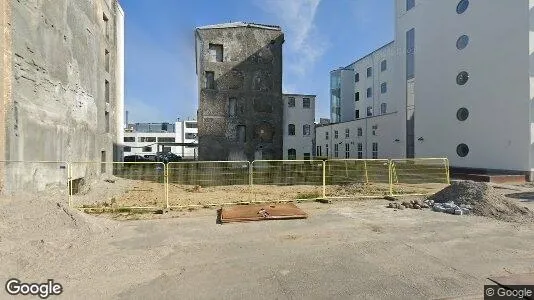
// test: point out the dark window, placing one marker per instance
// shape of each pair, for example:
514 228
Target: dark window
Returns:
106 90
369 72
357 96
336 134
347 133
462 150
291 129
164 126
147 149
319 151
383 108
306 103
360 131
357 77
462 42
216 53
410 4
375 150
384 88
360 150
326 135
462 78
148 139
166 140
462 114
410 53
106 60
326 148
190 124
129 139
127 149
106 25
190 136
369 111
291 102
462 6
291 154
383 65
210 80
307 156
369 92
357 114
336 150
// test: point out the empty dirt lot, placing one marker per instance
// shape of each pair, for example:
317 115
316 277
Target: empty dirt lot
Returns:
344 250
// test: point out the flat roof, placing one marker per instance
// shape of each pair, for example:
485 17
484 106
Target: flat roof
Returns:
303 95
240 24
347 67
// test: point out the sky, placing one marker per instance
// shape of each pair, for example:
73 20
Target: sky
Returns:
320 36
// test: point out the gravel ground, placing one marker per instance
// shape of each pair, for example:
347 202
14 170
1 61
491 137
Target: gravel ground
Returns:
344 250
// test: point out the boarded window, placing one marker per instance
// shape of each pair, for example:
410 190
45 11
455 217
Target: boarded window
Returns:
306 130
241 133
232 107
210 80
216 52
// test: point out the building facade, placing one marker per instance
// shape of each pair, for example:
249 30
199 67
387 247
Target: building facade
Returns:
62 85
299 129
463 85
239 70
143 139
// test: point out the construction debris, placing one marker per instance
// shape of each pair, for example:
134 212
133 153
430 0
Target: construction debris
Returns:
261 212
413 204
481 199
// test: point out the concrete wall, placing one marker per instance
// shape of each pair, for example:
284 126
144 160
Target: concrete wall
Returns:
299 117
56 108
497 94
251 72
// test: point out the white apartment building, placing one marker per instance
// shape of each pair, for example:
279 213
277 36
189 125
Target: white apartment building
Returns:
461 84
299 129
143 138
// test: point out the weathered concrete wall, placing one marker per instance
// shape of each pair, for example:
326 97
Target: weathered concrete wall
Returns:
251 72
57 82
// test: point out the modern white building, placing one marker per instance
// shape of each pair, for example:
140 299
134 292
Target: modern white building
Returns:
461 84
143 138
299 129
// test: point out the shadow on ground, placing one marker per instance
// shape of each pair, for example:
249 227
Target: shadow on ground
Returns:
524 197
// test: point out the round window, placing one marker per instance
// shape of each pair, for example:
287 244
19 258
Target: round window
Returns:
462 6
462 42
462 150
462 114
462 78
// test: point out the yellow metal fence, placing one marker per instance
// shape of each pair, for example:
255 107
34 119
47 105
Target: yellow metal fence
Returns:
155 185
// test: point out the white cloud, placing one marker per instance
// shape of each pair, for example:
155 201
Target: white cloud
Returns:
297 18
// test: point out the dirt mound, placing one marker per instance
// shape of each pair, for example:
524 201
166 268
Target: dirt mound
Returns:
484 201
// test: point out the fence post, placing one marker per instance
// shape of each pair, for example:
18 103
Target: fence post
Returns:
447 171
390 163
365 169
166 183
250 172
324 179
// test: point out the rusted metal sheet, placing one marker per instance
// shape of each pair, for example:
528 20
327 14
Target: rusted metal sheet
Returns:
516 279
260 212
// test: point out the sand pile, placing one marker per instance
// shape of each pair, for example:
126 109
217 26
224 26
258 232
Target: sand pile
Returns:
483 200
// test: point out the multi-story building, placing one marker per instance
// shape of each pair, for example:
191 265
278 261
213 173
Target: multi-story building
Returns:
299 129
463 86
179 138
61 87
239 69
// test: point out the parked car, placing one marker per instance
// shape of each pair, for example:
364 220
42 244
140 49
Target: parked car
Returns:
134 158
150 157
167 157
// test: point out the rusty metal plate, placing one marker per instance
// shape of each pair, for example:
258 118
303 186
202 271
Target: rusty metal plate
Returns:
260 212
516 279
